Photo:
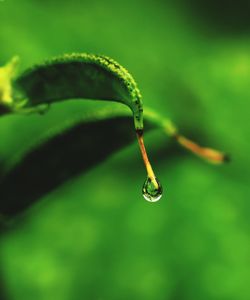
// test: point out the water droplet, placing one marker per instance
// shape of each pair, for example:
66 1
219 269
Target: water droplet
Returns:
150 192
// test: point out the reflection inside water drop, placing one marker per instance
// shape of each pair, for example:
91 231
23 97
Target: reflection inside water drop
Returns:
150 192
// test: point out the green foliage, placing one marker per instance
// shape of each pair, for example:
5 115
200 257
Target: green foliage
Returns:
52 157
81 76
94 237
69 146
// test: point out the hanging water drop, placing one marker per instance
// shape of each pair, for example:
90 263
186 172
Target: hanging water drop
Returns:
150 192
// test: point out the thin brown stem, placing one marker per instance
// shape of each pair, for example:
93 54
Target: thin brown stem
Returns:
209 154
150 172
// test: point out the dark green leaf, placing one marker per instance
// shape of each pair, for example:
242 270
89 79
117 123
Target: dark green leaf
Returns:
60 151
84 76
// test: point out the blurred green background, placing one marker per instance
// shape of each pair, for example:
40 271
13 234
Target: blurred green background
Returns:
95 237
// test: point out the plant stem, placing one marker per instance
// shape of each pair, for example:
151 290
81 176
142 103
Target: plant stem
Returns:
150 172
209 154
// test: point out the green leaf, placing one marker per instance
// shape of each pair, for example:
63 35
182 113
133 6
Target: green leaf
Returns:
62 155
65 150
188 69
84 76
68 140
75 145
